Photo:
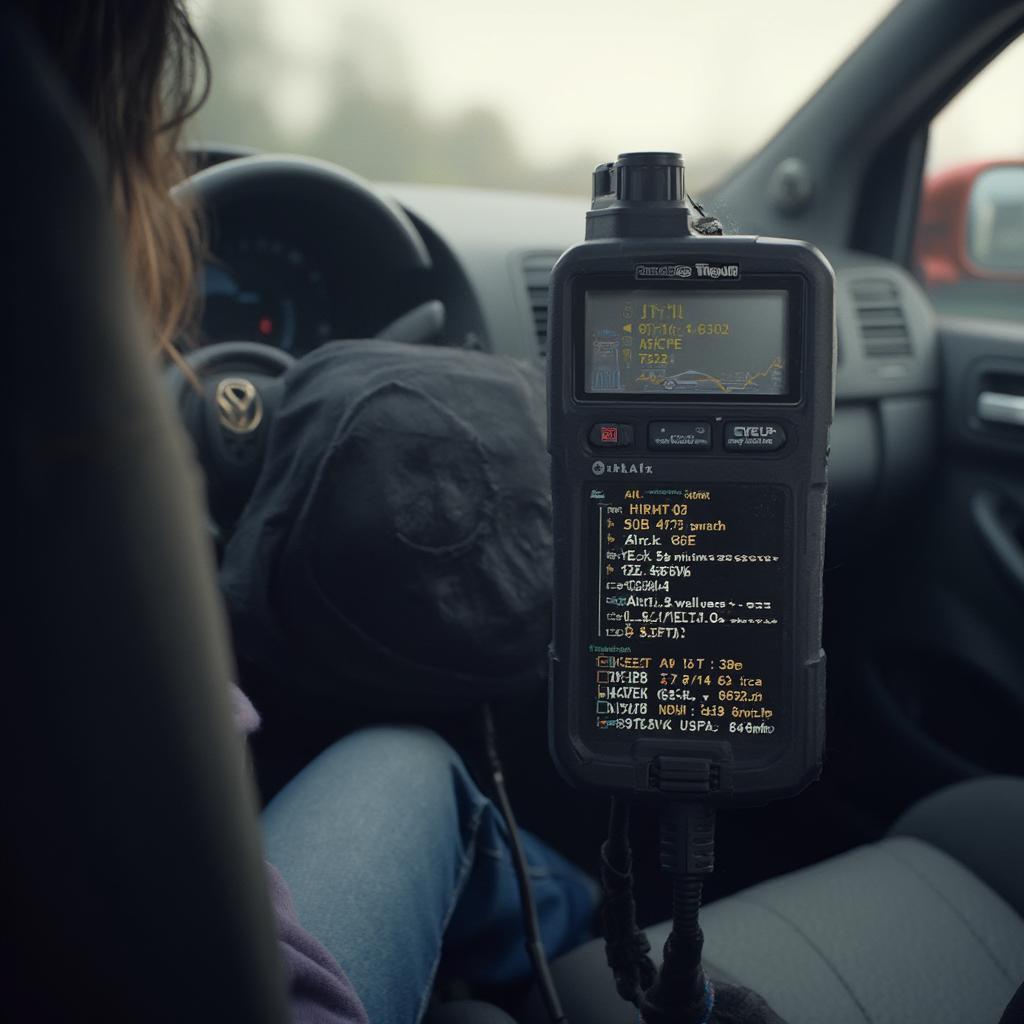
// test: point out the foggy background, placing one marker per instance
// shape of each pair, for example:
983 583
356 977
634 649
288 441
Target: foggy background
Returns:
532 94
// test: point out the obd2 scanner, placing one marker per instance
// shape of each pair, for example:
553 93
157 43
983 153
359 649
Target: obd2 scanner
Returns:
691 388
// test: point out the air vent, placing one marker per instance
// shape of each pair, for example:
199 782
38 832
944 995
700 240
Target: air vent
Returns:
537 272
883 325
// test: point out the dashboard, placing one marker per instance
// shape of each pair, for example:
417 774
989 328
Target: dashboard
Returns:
270 287
302 252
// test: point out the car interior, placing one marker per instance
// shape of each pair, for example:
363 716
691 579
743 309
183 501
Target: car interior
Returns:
891 890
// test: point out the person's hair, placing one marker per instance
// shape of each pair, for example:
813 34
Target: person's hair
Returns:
139 70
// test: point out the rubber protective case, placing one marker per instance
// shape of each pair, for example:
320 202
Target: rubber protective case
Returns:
714 769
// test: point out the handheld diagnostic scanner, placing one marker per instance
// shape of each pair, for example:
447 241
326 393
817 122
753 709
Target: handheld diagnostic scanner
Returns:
691 388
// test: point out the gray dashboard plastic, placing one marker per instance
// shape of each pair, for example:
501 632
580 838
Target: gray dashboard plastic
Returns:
493 234
885 435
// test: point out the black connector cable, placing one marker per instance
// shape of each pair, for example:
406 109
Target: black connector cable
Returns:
680 993
626 947
683 994
534 941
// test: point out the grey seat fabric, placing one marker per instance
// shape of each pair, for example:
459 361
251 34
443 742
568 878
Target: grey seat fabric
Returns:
897 932
980 823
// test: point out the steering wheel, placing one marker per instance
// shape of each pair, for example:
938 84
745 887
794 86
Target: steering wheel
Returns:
227 393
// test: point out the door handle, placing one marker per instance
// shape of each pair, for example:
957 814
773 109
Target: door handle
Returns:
1001 526
997 407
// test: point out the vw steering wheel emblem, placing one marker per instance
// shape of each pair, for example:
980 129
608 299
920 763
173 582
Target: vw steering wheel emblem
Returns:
239 406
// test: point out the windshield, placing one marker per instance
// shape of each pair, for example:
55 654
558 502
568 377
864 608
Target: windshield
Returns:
528 95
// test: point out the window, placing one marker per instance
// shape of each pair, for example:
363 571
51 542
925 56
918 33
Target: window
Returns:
526 95
969 249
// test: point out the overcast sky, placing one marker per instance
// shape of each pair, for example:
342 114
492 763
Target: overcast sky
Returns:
611 75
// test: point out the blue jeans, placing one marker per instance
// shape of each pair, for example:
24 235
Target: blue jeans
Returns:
393 855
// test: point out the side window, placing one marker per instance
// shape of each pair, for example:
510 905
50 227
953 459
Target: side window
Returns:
969 248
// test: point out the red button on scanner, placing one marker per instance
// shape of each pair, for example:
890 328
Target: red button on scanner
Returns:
611 435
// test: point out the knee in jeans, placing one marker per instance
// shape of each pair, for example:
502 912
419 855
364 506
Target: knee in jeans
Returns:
399 774
409 751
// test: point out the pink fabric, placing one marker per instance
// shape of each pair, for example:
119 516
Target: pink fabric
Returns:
319 992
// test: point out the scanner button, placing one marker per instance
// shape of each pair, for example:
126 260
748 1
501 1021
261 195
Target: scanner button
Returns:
754 436
672 436
611 435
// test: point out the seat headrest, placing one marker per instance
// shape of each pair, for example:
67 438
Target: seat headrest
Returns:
135 888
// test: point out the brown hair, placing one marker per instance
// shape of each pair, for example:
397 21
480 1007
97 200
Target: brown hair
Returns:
139 70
